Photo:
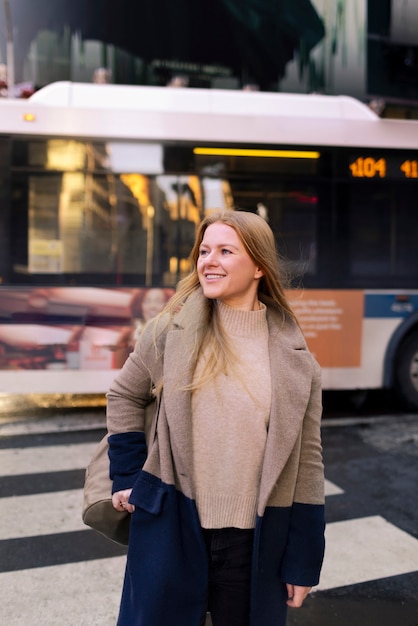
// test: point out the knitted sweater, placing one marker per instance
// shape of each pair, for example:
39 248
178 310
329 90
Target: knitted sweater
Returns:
230 421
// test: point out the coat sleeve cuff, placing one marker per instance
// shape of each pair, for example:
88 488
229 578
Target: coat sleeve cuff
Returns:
304 552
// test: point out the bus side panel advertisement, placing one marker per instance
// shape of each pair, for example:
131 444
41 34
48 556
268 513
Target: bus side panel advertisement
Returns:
332 324
80 328
95 328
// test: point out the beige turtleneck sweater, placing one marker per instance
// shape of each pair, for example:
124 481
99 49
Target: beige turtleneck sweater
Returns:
230 421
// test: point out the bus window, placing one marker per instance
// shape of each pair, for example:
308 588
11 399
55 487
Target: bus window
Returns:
292 212
369 231
383 222
79 223
184 206
406 254
82 224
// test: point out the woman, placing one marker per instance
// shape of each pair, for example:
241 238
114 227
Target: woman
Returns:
228 508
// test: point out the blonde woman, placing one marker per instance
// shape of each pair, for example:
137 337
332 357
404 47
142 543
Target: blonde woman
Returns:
228 501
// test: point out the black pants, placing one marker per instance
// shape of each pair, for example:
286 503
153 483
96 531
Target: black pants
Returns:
230 557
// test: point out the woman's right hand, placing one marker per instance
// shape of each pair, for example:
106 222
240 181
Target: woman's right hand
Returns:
120 501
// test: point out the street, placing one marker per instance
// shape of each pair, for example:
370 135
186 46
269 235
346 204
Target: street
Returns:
55 571
370 570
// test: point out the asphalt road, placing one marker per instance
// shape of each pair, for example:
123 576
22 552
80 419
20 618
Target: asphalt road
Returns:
55 571
371 562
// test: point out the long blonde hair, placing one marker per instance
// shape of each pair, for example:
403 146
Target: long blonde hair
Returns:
258 241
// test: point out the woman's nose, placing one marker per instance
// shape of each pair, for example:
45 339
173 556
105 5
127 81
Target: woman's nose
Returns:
211 259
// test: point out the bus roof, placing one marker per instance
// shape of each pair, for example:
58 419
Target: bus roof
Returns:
202 116
221 101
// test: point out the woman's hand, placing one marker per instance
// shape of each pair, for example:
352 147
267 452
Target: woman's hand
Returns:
296 595
120 501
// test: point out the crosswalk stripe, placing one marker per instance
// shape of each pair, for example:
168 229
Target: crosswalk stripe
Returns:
85 594
49 513
56 424
59 511
364 549
331 489
41 514
17 461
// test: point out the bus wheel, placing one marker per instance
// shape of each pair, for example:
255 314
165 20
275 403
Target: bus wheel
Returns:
406 375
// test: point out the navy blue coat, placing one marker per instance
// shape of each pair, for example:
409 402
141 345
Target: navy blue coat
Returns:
166 573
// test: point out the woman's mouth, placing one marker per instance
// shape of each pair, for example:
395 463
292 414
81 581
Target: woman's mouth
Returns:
213 276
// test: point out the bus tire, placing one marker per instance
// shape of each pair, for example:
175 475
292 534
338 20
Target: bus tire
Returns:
406 375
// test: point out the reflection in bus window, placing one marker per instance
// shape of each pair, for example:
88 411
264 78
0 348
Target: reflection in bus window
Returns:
91 223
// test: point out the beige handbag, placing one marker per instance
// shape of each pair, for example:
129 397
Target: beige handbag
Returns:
98 511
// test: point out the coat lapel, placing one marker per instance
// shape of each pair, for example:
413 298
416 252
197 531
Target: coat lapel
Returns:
291 376
178 374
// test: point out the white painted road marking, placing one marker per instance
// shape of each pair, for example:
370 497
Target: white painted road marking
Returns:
41 514
369 548
74 594
20 461
331 489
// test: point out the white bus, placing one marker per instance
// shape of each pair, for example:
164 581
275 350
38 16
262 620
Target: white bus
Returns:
101 187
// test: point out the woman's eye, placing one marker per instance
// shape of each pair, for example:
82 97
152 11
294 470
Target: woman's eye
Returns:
203 252
225 251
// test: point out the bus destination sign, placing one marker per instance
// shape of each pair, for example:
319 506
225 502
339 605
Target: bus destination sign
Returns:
367 167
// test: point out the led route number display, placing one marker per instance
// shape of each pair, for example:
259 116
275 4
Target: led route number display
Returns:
371 167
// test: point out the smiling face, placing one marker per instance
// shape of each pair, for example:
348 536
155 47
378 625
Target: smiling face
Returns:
225 269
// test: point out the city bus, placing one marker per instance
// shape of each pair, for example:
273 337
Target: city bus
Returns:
101 189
